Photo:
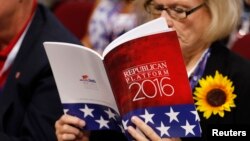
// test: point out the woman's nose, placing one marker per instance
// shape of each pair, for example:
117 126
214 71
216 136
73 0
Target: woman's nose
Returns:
168 18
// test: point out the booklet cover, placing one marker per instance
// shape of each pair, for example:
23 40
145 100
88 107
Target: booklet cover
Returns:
141 73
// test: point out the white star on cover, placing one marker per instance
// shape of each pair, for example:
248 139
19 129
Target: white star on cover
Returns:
188 128
110 114
197 117
172 115
122 128
65 111
147 117
163 129
102 123
124 123
87 111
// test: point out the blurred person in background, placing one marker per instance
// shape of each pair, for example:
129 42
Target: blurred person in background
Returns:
29 100
110 19
239 39
243 27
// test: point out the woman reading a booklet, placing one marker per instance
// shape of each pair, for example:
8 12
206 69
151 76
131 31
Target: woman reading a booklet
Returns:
219 78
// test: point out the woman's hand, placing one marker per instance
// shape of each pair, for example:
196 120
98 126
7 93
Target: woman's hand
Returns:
68 129
147 131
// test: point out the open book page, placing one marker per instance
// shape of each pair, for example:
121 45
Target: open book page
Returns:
151 27
148 75
83 85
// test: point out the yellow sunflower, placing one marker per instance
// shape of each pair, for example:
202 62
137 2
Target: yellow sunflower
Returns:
215 95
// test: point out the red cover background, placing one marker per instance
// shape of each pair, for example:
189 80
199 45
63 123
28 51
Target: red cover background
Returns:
153 48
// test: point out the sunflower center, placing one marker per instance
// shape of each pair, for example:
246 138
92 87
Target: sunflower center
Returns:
216 97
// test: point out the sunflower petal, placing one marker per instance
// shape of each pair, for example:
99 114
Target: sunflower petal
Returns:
221 113
207 114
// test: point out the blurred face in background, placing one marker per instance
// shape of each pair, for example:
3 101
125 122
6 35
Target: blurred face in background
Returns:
7 10
8 18
13 15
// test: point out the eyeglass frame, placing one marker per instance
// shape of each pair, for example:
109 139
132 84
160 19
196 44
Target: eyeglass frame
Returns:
169 9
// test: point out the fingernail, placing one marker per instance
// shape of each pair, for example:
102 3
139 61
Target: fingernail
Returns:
133 118
82 123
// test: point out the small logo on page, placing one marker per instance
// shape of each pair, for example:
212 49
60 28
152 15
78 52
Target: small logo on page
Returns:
88 82
86 78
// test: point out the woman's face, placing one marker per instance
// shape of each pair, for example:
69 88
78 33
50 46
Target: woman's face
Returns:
190 29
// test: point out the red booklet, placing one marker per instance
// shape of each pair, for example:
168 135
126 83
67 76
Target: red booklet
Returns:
141 73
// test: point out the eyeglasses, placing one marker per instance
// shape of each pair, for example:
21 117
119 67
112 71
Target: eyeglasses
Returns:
176 13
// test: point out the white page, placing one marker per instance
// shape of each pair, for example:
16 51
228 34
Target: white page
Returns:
156 26
69 64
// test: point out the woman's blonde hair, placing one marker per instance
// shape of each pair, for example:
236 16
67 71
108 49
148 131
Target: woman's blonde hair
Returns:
225 16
